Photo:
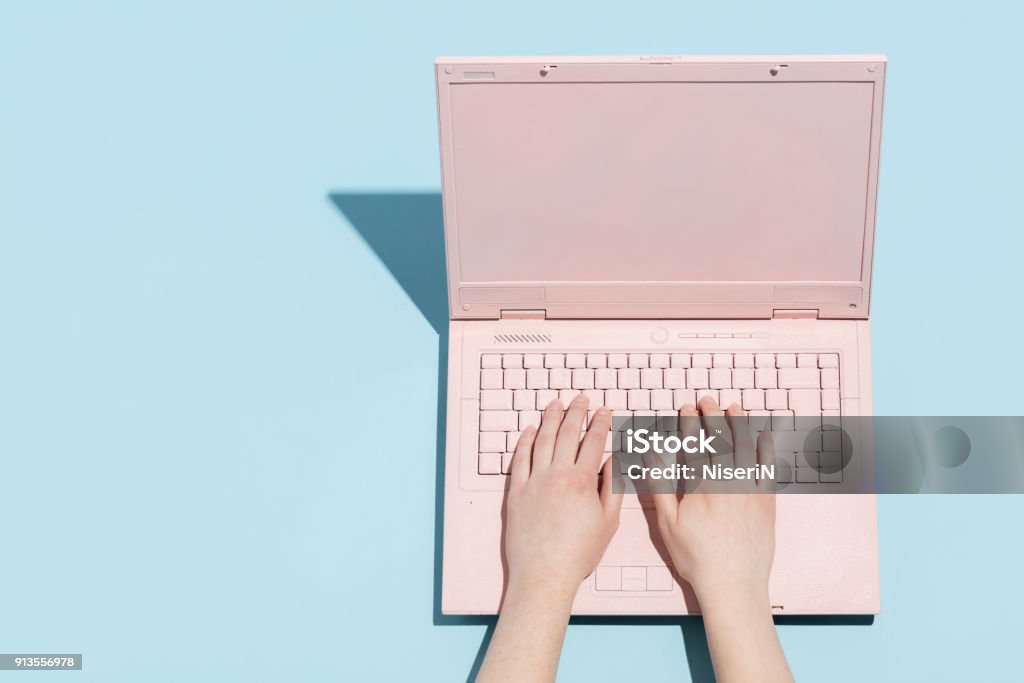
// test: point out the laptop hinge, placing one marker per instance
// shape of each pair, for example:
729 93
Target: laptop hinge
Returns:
523 314
795 313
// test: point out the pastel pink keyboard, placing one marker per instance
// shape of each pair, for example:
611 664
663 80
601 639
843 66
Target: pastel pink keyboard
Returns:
773 388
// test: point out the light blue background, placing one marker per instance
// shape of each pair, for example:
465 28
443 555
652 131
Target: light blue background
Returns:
198 351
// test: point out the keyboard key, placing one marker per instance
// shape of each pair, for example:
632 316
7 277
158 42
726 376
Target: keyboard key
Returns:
659 579
743 378
674 378
489 463
831 477
560 378
650 378
596 360
583 378
515 379
806 458
490 360
659 360
806 475
512 361
506 460
775 399
830 378
785 360
701 360
781 421
608 578
629 378
721 360
720 378
708 393
743 360
729 397
764 360
524 399
544 397
805 401
529 418
499 421
533 360
753 399
683 397
680 360
832 441
638 360
634 578
595 399
830 399
661 399
807 360
615 399
566 396
554 360
766 378
511 439
492 442
617 360
828 360
799 378
606 378
537 378
697 378
760 420
639 399
496 399
492 379
797 442
830 419
575 360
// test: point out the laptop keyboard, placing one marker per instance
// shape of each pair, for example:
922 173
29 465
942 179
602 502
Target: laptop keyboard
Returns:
772 387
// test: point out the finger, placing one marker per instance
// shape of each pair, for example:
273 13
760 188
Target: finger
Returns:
544 446
592 448
689 426
610 501
742 438
715 425
766 457
521 458
567 443
665 504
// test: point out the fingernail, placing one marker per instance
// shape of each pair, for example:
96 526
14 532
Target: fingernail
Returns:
554 404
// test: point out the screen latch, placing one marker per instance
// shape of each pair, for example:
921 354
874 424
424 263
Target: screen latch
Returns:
523 314
811 313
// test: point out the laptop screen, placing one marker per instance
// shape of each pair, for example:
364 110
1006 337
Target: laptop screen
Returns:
661 181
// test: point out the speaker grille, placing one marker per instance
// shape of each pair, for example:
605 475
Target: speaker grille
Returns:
522 337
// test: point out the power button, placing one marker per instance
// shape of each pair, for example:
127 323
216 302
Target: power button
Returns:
659 335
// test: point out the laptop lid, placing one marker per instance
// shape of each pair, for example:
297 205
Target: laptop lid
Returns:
660 187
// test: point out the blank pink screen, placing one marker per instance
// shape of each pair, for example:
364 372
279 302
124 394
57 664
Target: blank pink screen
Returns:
661 182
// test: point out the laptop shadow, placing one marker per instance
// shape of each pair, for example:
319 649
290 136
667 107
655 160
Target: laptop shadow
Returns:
406 232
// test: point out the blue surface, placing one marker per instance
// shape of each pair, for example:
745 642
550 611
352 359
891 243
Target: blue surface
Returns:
200 346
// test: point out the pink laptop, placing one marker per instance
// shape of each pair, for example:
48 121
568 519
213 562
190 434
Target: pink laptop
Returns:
713 215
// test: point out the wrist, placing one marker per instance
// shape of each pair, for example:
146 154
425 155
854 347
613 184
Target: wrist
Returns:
733 594
555 593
